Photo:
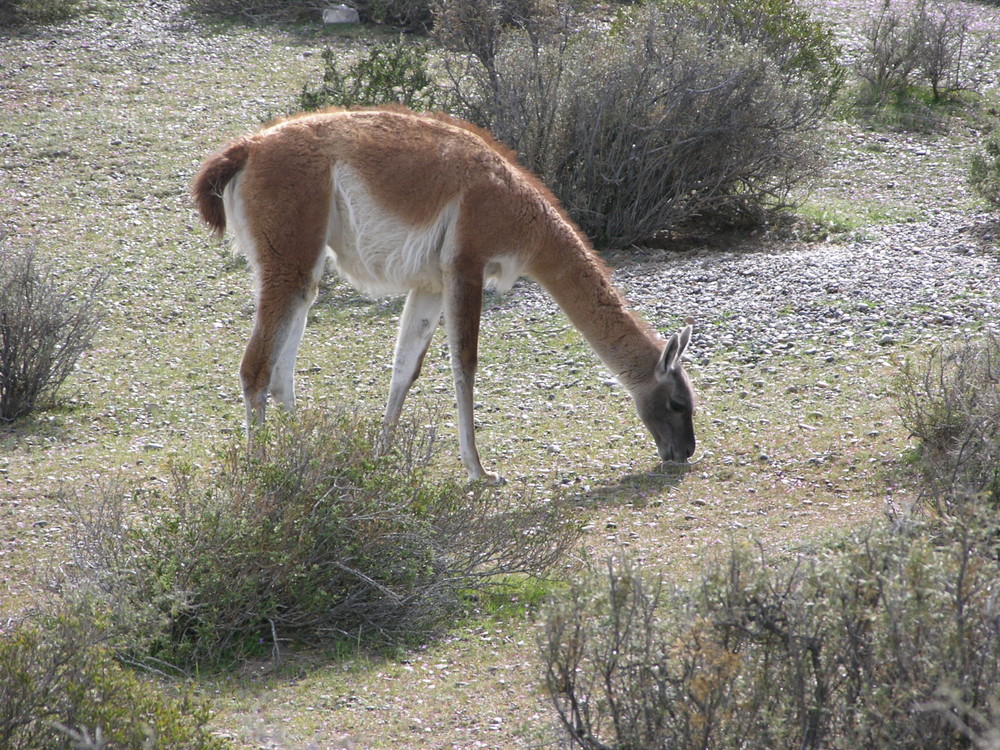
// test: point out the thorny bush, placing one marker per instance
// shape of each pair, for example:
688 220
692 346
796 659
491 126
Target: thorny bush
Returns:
46 324
871 643
677 111
951 404
319 534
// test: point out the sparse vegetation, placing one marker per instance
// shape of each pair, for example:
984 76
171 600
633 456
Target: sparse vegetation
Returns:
316 535
104 119
46 324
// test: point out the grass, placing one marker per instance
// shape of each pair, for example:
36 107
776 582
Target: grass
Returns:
97 153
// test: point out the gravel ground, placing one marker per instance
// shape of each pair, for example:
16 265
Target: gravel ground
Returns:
760 300
939 277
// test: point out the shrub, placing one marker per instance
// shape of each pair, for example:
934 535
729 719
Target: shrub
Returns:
677 112
61 687
850 648
260 9
409 15
390 72
38 11
889 56
45 325
984 169
951 405
926 41
318 535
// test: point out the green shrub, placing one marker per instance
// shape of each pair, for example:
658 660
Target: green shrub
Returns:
60 687
393 72
984 169
680 111
38 11
45 325
852 647
318 535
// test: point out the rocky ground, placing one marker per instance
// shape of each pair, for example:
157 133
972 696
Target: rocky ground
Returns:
939 277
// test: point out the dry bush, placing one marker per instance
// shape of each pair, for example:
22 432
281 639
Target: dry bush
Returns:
324 538
46 323
984 168
853 647
677 111
951 404
929 43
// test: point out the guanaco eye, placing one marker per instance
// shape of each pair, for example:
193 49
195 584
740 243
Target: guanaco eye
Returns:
677 405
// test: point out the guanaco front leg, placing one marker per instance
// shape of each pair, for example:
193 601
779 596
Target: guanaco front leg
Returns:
463 301
421 315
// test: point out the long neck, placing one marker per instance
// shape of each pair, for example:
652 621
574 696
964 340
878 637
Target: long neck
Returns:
580 284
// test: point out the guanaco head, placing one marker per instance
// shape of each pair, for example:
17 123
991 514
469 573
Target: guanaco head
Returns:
667 405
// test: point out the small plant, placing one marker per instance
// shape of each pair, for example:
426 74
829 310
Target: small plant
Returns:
318 535
394 72
984 169
60 686
951 405
45 325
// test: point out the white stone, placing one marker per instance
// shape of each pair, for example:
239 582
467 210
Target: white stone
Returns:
340 14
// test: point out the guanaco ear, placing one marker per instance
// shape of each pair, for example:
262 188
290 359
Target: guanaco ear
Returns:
673 352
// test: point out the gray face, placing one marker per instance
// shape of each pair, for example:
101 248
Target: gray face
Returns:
668 413
667 409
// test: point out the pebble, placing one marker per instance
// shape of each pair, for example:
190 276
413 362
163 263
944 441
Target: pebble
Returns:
822 300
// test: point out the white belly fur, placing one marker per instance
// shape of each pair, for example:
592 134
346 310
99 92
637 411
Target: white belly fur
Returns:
380 254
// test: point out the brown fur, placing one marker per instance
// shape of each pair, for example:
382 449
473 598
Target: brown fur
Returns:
468 210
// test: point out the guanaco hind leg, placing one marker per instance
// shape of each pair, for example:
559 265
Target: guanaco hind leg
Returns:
268 365
421 315
282 387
